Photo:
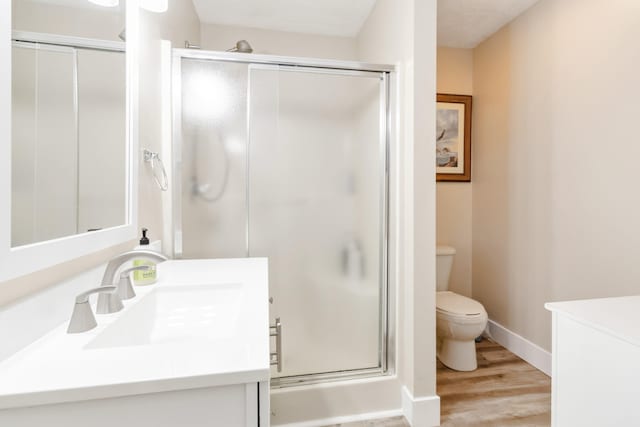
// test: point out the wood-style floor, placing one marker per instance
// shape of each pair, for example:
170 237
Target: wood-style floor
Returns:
387 422
503 391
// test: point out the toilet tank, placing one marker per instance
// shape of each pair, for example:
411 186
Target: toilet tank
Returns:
444 262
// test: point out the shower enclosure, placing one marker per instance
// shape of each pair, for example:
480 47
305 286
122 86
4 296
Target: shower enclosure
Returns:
287 158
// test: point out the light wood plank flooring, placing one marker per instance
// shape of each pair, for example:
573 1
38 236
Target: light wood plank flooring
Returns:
503 391
387 422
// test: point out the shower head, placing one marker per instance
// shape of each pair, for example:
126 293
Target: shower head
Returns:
241 46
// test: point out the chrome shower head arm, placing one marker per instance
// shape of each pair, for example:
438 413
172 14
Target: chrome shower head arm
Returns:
241 46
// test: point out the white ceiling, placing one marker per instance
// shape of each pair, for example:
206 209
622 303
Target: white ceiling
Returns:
461 23
467 23
327 17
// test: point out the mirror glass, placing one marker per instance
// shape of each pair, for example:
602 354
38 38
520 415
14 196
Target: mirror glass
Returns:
69 127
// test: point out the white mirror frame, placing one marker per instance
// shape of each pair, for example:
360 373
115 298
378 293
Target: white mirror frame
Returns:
15 262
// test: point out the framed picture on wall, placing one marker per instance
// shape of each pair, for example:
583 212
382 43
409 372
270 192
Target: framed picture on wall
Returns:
453 137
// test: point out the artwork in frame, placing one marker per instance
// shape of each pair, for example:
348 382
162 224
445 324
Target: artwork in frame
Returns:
453 137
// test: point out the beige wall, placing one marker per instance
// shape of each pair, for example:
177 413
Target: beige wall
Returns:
453 199
555 199
223 37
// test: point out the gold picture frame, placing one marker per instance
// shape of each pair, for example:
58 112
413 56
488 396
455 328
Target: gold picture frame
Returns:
453 137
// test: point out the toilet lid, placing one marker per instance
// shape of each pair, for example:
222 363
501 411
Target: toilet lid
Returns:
457 304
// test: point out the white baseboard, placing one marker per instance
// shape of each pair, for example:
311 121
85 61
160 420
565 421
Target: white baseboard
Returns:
421 411
521 347
345 419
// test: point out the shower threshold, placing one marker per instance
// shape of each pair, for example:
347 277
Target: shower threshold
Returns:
310 379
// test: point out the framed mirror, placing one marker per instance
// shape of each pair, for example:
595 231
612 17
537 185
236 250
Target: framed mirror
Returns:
68 127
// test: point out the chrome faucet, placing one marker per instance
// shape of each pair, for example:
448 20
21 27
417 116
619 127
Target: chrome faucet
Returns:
125 285
110 303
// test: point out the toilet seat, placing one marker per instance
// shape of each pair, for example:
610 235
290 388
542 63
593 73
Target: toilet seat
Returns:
458 308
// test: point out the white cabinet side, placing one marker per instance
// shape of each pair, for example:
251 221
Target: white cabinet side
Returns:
595 377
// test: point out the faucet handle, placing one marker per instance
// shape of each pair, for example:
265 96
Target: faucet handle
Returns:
125 285
109 302
82 318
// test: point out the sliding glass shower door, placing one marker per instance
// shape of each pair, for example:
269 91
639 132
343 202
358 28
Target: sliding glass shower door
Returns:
315 211
298 176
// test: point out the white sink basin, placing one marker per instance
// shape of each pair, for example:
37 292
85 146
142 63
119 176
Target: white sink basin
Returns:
176 313
205 323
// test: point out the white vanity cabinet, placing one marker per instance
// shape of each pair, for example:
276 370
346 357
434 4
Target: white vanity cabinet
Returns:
596 362
224 406
191 350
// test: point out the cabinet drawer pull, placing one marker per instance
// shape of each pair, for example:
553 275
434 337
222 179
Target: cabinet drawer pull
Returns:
276 357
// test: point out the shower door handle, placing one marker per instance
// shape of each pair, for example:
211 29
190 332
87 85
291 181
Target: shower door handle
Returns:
276 357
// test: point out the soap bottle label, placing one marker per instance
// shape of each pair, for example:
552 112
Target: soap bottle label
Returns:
144 277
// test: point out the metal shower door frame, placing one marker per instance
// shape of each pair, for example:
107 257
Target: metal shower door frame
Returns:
387 75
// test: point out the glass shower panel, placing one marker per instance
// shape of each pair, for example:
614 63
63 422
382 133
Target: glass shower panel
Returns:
44 146
214 135
102 130
316 168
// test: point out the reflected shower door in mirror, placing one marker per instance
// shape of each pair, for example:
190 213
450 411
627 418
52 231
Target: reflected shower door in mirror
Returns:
69 127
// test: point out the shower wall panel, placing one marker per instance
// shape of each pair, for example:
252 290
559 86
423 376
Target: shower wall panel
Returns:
101 134
44 173
68 141
214 167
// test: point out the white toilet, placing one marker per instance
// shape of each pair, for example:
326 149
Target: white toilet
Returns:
459 320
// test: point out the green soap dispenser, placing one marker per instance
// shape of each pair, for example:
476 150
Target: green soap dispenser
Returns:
144 277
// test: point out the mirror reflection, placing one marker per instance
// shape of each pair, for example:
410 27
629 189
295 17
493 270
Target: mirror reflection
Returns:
68 119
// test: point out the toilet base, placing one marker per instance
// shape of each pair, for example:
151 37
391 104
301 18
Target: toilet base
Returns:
458 355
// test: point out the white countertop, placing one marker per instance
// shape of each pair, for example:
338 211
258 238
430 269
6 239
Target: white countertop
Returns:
619 316
60 368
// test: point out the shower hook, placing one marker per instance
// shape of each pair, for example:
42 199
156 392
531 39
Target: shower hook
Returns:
156 163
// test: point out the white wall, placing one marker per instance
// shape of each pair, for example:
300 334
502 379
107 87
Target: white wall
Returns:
555 203
404 33
453 200
223 37
178 24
